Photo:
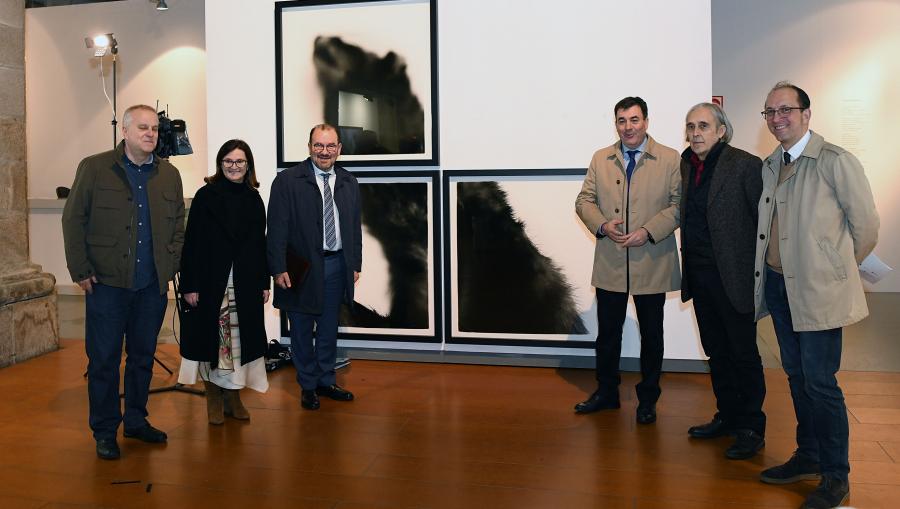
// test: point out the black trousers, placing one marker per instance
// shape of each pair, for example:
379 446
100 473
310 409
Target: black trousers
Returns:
729 339
611 308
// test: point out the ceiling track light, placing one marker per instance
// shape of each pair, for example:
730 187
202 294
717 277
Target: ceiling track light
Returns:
161 5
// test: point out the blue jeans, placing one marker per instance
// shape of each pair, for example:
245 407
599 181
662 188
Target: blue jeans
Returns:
110 314
315 360
811 360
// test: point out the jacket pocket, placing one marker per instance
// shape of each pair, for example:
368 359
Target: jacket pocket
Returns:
110 198
171 204
834 258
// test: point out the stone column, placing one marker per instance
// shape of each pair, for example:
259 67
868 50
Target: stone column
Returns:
28 318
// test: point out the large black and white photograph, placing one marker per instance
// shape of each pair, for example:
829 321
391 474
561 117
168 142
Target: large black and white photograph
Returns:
519 260
368 68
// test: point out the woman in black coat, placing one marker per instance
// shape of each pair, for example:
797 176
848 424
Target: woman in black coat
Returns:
225 282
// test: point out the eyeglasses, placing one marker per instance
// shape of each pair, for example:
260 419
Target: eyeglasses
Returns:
240 163
331 147
782 111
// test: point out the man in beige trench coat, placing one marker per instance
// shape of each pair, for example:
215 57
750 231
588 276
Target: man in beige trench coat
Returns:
629 200
817 222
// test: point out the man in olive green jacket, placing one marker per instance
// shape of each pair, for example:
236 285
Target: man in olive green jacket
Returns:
817 222
123 226
629 200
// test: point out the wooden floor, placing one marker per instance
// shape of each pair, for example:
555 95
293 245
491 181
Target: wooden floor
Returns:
424 436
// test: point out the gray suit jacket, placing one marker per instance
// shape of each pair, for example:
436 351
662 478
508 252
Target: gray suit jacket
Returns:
732 217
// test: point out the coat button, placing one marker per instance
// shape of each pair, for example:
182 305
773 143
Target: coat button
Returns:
767 199
757 273
761 236
617 211
618 181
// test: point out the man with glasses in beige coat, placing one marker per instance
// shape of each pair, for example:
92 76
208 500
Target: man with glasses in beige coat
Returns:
818 207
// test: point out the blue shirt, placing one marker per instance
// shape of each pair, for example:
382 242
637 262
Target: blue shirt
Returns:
637 157
144 266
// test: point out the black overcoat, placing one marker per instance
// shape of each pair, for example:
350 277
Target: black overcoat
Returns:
295 221
226 227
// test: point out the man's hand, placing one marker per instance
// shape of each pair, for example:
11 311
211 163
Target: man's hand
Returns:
611 230
283 280
355 277
265 296
87 284
192 298
636 238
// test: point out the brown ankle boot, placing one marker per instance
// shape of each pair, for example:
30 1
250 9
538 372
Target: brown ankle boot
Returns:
215 405
234 407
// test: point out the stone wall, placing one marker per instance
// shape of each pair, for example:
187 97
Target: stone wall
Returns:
28 314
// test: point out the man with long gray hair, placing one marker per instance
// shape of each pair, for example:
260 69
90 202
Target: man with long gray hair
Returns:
720 189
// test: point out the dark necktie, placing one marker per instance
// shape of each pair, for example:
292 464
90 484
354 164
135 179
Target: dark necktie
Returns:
631 163
787 158
698 169
328 208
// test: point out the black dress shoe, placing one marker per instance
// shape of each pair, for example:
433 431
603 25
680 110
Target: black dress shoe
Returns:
147 433
334 392
646 414
793 470
108 449
747 444
712 429
309 400
597 401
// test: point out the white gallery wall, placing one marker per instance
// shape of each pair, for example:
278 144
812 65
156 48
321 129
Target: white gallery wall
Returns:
162 56
521 85
846 55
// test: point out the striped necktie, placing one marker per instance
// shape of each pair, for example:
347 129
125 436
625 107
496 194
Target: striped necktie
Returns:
328 211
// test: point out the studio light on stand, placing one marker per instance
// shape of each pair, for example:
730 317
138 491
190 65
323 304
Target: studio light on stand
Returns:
106 44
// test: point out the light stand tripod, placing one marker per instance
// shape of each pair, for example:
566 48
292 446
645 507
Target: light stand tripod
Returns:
179 311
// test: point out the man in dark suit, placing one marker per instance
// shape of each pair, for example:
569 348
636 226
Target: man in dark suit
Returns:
314 212
721 186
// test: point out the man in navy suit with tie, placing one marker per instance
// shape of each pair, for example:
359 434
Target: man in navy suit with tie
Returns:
314 212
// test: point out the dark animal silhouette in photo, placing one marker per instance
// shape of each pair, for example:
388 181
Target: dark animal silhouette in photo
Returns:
400 120
505 283
396 214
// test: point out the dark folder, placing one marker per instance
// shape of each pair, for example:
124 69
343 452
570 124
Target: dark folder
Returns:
297 268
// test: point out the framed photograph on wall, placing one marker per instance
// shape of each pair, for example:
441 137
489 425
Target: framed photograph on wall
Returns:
518 259
398 296
368 67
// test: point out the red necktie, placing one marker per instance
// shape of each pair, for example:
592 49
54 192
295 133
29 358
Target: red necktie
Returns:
698 164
